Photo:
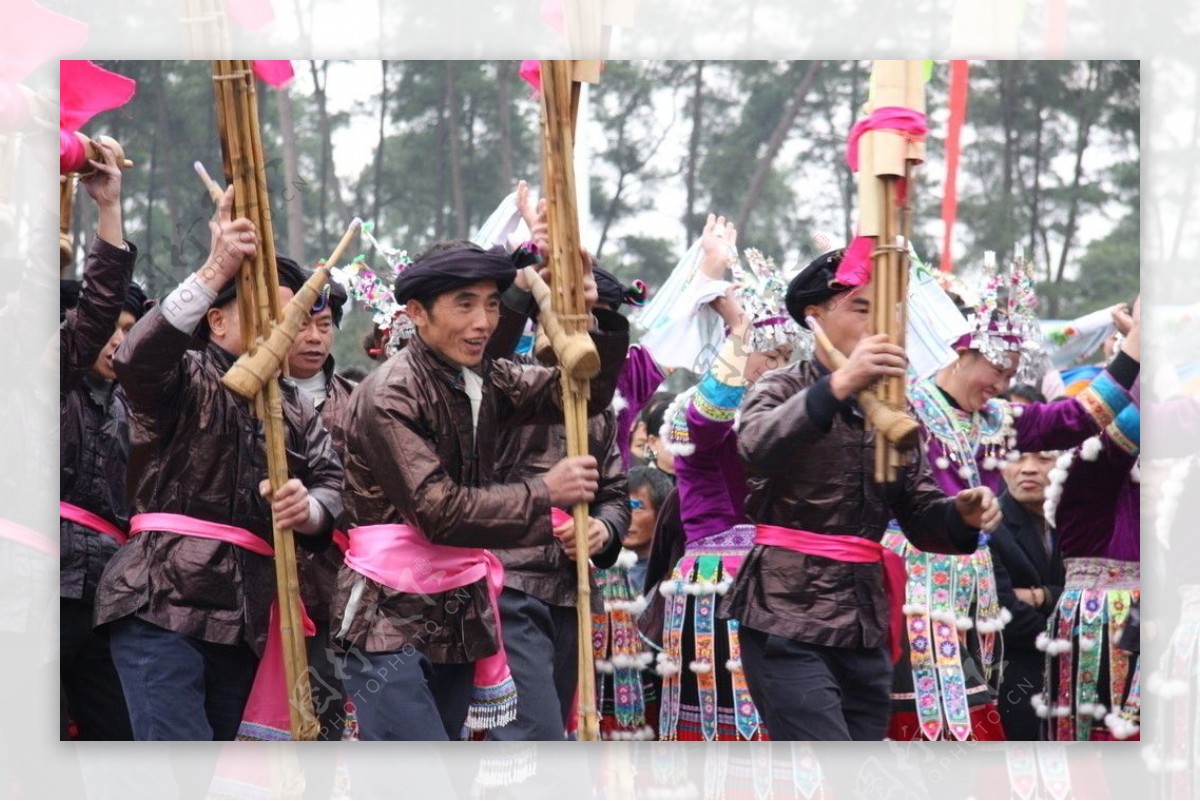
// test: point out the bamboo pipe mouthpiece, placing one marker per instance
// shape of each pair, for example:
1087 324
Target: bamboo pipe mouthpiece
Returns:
895 425
250 373
214 189
576 352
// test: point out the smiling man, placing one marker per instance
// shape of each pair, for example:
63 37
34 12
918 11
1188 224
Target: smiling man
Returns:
417 602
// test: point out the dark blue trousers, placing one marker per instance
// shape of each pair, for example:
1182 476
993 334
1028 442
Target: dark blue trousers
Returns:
178 687
815 692
541 641
401 695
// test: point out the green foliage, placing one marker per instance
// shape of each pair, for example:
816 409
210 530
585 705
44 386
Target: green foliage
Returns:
649 126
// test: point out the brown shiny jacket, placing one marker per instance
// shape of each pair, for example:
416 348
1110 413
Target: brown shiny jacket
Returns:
197 450
93 427
811 467
318 569
543 570
411 458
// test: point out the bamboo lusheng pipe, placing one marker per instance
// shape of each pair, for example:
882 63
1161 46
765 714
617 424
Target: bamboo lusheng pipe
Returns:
899 429
250 373
258 304
557 127
576 352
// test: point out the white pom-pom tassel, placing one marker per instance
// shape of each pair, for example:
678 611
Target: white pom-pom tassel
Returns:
733 665
990 463
1005 615
1120 728
697 666
666 668
1086 643
1042 642
1090 450
1059 647
1061 711
1012 456
942 462
667 589
619 404
914 609
964 472
1040 707
964 623
626 559
1135 472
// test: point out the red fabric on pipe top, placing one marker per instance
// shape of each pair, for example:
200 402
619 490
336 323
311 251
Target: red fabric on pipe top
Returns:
274 73
531 73
855 267
896 119
85 90
958 113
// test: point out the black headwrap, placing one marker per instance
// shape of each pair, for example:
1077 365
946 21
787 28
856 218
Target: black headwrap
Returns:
613 293
453 268
69 290
291 275
812 285
135 301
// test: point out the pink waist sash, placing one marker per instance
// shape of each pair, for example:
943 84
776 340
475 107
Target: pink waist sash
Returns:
69 511
845 548
401 558
194 527
267 715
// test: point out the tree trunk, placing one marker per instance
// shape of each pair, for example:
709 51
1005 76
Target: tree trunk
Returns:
172 202
504 73
847 182
383 99
323 170
455 143
292 197
1083 133
1035 187
691 227
439 201
329 184
761 172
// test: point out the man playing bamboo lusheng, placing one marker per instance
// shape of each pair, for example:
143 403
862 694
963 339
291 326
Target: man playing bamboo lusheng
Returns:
93 448
188 599
817 595
311 368
416 605
537 606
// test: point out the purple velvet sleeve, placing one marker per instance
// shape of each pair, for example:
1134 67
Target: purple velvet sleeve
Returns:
711 480
639 380
1091 503
1067 422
